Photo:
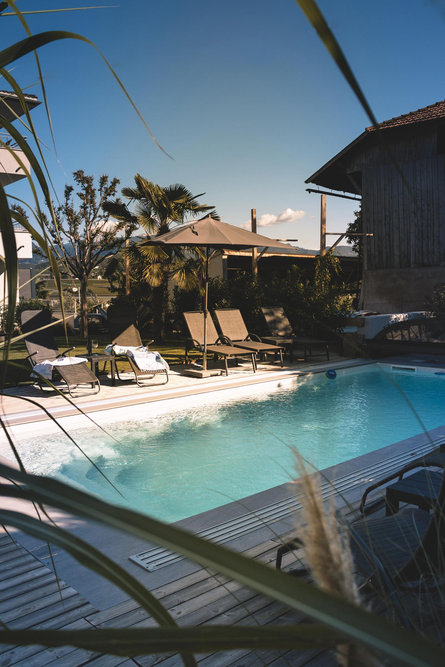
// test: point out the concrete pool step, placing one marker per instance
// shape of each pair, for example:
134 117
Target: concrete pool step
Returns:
157 557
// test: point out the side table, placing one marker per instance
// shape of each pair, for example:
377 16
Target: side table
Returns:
94 360
421 489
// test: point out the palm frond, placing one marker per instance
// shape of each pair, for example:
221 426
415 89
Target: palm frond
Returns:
155 274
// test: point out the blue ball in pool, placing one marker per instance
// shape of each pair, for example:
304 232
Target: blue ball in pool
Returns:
331 374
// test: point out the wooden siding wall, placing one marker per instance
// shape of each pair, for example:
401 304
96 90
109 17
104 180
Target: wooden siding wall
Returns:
404 207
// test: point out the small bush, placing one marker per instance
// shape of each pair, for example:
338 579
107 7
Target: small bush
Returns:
314 307
437 304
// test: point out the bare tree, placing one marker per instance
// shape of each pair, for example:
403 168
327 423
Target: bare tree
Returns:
84 235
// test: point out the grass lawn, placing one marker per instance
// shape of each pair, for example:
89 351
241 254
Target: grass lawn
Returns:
100 288
18 369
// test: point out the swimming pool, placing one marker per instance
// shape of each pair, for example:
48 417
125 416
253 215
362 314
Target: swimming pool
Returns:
206 454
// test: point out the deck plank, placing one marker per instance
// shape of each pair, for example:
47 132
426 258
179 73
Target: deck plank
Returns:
194 599
23 582
34 655
22 569
33 597
36 590
198 598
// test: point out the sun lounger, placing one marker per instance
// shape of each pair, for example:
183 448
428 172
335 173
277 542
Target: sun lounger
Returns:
144 363
216 344
127 346
119 318
401 546
233 328
42 348
281 333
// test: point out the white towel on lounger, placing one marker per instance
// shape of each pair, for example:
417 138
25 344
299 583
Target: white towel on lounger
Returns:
45 368
146 360
142 357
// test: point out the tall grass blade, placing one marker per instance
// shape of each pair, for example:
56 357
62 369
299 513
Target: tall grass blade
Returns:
44 246
18 91
30 44
94 560
133 642
65 9
348 620
10 262
316 18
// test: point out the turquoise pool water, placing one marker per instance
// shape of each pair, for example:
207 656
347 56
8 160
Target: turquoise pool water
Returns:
180 464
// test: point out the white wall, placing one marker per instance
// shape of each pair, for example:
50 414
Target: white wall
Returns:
10 170
24 242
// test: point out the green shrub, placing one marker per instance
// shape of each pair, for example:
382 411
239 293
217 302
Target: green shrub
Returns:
314 307
436 305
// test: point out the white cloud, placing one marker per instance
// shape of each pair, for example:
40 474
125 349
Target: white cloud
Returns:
268 219
289 215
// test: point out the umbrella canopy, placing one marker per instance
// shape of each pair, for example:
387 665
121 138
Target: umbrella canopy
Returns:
215 234
209 233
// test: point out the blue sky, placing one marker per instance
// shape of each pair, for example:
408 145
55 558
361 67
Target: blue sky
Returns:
241 93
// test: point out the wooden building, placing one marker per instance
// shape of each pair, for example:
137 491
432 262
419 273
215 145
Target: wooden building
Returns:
399 170
278 262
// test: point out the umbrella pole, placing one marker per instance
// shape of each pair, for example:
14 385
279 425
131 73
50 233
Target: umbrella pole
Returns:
206 301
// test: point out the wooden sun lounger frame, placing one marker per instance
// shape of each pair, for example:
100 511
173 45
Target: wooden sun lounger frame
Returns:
220 346
401 546
131 337
234 330
284 335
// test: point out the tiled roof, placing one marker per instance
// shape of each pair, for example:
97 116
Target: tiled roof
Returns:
10 93
332 174
432 112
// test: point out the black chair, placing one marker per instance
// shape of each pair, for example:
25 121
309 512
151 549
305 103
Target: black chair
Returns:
399 547
420 488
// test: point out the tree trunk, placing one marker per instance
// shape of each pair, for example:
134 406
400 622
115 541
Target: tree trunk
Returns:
83 319
159 303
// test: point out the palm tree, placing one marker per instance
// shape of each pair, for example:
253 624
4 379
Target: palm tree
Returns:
157 209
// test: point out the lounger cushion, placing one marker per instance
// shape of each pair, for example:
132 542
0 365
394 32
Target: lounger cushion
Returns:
45 368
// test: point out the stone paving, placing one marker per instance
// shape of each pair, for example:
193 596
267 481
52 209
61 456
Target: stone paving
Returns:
16 405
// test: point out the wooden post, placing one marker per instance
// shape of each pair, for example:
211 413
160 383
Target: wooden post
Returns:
206 309
254 250
127 267
323 226
361 300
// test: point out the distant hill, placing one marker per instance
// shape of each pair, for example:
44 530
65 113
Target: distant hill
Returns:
339 251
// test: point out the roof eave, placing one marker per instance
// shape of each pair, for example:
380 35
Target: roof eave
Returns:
332 163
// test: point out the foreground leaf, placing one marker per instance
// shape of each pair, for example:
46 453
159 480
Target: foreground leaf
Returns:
346 619
132 642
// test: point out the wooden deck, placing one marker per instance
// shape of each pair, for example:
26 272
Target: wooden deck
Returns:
32 597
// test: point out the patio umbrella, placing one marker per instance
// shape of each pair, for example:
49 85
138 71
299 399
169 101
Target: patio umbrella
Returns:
213 235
